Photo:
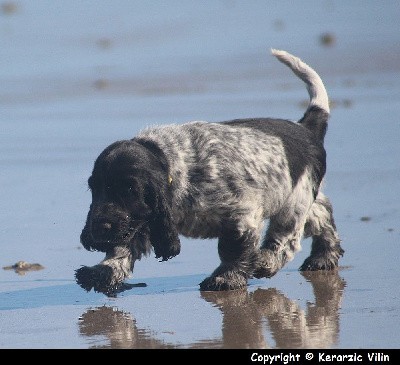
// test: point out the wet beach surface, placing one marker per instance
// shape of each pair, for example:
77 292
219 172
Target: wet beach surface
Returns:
77 76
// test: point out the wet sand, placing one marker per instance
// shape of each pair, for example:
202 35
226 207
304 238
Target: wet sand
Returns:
69 87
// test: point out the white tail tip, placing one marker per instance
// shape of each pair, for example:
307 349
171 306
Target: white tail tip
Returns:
315 86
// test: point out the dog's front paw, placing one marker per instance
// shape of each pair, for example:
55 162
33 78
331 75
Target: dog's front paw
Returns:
227 281
85 277
100 278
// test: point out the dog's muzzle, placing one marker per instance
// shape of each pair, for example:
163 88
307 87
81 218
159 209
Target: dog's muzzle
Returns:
103 233
103 230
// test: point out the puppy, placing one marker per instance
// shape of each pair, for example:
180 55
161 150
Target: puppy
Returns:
215 180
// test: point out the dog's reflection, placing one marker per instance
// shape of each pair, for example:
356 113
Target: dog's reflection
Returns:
118 327
247 316
259 319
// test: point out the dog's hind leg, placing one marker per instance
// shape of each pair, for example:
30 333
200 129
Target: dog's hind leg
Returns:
320 225
286 227
238 253
280 244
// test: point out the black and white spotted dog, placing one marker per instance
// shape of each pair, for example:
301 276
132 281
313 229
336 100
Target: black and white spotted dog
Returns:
215 180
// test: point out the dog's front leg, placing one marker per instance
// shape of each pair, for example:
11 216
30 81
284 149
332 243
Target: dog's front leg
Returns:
238 255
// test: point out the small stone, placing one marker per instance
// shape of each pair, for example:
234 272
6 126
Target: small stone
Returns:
9 7
327 39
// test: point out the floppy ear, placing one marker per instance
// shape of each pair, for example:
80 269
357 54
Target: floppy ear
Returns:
163 232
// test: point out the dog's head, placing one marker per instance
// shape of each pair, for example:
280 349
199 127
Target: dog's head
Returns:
131 202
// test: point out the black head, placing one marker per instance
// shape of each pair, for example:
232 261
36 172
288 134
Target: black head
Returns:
131 202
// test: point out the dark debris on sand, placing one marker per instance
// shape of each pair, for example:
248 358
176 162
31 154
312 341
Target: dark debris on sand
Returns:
21 267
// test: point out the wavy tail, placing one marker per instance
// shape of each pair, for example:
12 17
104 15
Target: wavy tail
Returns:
317 114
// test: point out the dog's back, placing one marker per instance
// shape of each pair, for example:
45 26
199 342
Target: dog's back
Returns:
225 171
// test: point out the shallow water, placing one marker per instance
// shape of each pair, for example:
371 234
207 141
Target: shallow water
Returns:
76 76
